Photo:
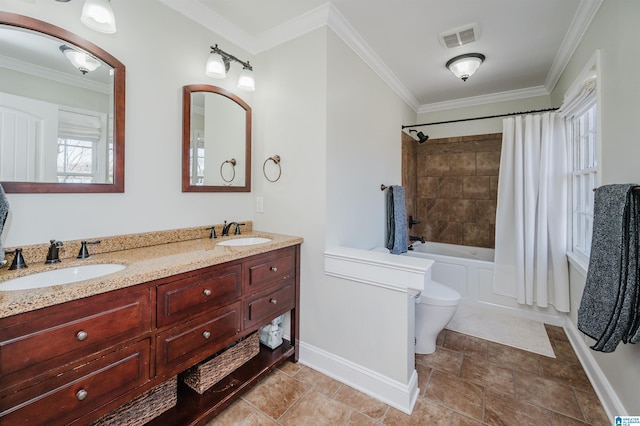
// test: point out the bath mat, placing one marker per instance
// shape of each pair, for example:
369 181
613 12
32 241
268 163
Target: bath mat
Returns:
502 328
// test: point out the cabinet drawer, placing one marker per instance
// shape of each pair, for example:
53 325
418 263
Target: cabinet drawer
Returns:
270 268
77 392
72 330
217 286
267 306
198 338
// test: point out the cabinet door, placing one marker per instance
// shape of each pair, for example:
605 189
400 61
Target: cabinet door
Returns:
77 392
66 332
198 339
269 269
214 287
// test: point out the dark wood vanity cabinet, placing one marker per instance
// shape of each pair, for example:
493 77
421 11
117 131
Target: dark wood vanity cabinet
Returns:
76 361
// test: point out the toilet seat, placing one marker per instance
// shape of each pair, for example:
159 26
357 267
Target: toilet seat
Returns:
438 294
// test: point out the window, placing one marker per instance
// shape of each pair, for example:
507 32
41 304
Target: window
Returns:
76 161
580 110
584 173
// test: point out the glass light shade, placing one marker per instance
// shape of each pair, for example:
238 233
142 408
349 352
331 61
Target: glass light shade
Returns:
246 81
464 66
85 63
215 66
98 15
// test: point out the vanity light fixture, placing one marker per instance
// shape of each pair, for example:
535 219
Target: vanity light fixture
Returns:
218 65
464 66
84 62
98 15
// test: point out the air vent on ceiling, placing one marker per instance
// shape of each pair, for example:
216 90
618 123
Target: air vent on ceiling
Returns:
459 36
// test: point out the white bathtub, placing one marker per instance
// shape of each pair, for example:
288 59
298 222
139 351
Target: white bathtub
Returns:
469 270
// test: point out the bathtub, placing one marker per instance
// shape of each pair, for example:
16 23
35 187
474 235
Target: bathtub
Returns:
469 271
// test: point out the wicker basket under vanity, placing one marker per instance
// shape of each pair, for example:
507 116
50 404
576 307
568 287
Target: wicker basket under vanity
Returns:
145 407
202 376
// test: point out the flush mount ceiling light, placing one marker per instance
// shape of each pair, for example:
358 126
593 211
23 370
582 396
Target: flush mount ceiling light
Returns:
85 63
218 66
464 66
98 15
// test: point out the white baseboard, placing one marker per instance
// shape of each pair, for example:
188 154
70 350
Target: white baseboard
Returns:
608 397
391 392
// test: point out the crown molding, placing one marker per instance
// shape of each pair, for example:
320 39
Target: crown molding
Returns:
206 17
581 21
510 95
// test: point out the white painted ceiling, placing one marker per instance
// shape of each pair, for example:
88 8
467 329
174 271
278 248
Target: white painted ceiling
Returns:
526 42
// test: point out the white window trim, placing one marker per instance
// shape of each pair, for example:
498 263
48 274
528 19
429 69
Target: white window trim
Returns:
574 105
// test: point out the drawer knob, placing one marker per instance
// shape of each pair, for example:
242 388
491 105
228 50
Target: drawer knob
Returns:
207 292
81 394
206 334
274 269
82 335
274 301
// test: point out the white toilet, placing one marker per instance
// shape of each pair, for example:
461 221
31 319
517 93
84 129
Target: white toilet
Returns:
434 310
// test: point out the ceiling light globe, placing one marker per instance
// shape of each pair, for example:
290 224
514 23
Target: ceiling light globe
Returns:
464 66
82 61
98 15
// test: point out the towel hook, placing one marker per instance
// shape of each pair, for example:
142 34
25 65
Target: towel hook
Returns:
276 161
383 187
233 169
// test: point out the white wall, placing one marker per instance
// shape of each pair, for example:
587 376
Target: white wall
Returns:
615 31
161 54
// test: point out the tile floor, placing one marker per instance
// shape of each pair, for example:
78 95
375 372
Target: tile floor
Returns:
468 381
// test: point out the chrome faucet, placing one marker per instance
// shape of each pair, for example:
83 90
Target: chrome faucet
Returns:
53 255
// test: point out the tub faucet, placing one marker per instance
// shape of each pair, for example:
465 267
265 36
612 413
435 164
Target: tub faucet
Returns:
53 255
412 238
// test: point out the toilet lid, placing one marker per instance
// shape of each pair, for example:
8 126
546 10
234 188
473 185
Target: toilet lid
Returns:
438 294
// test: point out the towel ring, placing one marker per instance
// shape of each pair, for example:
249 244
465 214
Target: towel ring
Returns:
233 169
276 161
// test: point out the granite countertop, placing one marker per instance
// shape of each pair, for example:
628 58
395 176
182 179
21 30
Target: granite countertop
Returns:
143 264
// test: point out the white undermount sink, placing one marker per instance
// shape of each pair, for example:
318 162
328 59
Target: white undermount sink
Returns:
61 276
246 241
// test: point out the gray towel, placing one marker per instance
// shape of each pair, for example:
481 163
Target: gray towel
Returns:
396 220
609 311
4 211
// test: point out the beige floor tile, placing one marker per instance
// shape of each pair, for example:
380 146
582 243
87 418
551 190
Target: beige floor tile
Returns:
453 392
468 345
460 420
316 409
275 394
507 410
258 419
361 402
290 368
548 394
592 408
233 415
487 374
507 356
320 382
442 359
564 369
558 419
359 419
424 413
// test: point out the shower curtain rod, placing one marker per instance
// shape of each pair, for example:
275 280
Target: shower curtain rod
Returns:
479 118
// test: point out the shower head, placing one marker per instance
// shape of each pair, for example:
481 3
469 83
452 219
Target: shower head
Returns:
422 138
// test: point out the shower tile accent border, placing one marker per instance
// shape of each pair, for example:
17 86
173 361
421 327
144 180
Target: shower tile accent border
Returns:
451 187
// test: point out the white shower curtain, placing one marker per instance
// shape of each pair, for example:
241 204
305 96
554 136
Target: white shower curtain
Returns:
531 216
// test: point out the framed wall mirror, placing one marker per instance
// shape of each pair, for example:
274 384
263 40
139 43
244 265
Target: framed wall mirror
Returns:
216 140
62 111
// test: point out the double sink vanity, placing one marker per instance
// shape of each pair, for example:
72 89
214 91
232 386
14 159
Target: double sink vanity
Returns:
71 353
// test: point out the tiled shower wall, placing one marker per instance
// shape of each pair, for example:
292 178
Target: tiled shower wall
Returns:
453 191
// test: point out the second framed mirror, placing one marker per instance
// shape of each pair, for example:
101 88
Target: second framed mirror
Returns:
216 140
